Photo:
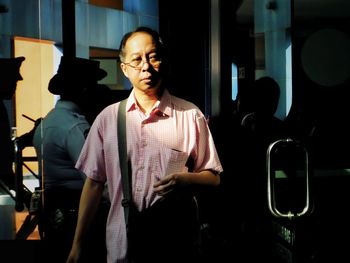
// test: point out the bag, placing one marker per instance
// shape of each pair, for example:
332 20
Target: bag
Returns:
169 225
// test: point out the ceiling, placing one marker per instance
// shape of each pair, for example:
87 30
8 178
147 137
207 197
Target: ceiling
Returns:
304 10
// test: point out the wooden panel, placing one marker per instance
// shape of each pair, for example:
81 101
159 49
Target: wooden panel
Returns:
32 97
103 53
116 4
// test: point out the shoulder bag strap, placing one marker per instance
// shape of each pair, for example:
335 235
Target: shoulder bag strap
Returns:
123 157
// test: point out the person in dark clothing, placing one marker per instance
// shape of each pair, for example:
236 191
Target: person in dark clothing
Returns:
10 75
242 145
261 127
58 140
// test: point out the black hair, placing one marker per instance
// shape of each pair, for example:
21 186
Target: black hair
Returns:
153 33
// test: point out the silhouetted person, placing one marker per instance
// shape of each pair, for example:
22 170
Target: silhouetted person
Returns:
239 148
262 121
9 75
242 134
261 125
261 128
225 210
58 140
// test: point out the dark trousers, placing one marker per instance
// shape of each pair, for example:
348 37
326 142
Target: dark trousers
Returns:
59 219
165 232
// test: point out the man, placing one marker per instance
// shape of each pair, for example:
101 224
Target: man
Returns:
171 152
58 140
9 75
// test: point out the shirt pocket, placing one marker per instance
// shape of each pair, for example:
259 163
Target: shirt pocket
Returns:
174 161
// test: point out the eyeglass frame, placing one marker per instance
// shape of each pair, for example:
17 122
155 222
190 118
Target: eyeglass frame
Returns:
142 63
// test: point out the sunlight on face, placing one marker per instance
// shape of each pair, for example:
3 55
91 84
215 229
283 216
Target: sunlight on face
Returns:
142 62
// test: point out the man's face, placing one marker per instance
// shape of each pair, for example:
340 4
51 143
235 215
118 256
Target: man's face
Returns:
141 51
8 86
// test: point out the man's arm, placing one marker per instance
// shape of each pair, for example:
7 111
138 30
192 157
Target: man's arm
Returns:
171 181
89 202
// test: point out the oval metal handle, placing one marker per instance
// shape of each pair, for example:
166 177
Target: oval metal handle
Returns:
271 181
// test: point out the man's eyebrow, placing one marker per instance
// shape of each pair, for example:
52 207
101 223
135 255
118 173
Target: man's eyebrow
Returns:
154 50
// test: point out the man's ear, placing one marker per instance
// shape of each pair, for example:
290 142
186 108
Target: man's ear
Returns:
123 67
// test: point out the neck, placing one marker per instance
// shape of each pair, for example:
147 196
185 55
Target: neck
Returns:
147 99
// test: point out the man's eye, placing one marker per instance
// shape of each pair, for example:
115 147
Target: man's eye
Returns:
154 57
137 59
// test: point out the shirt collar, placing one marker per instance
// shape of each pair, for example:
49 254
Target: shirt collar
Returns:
68 105
162 107
165 103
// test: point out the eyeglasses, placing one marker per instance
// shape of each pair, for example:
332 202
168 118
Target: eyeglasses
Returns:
137 63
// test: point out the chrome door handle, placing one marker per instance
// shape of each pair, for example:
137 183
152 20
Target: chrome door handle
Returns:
272 178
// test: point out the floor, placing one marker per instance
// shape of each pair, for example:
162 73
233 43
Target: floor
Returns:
20 220
30 182
15 221
29 248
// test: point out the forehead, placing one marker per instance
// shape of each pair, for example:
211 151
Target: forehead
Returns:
139 42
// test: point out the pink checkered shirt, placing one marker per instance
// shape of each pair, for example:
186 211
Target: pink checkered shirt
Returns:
157 145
